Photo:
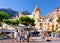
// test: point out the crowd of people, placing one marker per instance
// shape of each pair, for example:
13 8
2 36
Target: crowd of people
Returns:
22 35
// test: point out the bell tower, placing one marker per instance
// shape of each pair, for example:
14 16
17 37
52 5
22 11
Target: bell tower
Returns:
36 16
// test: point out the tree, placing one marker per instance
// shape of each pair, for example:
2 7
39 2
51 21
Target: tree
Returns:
12 22
32 21
6 21
26 20
3 15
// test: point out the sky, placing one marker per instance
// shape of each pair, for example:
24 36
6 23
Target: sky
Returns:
45 6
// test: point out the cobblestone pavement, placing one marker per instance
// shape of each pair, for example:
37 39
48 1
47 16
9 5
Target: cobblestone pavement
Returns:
11 41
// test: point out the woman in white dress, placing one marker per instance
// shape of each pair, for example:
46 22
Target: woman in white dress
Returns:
16 35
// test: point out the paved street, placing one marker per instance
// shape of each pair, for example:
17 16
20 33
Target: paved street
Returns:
11 41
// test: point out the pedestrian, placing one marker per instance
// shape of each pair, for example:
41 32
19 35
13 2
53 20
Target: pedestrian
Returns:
16 35
42 35
25 35
47 34
29 36
21 36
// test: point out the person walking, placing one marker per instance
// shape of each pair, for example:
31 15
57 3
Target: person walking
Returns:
25 35
29 36
16 35
21 36
42 35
